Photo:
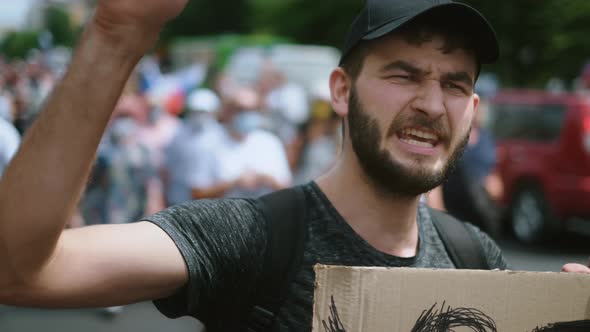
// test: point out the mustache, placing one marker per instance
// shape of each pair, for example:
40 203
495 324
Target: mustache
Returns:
420 121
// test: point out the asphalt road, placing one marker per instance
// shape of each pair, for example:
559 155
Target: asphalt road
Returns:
550 256
144 317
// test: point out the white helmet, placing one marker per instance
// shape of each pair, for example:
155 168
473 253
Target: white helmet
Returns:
203 100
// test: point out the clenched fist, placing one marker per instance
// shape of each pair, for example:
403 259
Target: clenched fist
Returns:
138 19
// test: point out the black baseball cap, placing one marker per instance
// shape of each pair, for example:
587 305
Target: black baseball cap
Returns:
380 17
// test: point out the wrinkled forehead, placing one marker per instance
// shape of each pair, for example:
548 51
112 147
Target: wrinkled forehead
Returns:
431 55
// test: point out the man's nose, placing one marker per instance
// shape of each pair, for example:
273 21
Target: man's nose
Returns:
429 99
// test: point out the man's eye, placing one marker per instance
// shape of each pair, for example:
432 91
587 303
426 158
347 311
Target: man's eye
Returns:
402 78
454 87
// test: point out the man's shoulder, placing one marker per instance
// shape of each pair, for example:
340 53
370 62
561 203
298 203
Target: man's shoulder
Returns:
218 213
488 247
491 249
209 211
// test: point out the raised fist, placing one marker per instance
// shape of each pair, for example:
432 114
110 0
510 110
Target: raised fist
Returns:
133 16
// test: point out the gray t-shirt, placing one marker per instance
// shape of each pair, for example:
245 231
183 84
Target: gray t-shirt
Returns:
223 244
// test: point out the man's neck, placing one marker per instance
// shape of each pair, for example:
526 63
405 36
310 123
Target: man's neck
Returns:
387 222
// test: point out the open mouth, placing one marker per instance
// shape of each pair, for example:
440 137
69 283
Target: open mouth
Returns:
419 137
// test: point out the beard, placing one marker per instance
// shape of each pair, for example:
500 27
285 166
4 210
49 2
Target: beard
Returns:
385 174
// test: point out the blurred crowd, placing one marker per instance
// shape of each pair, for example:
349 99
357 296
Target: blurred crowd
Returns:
187 134
24 85
173 139
178 136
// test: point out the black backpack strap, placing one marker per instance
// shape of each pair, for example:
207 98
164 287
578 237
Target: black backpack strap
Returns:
463 248
285 214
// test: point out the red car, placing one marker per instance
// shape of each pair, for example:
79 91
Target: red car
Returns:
543 149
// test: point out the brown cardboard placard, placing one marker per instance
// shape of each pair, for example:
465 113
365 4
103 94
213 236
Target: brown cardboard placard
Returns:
351 299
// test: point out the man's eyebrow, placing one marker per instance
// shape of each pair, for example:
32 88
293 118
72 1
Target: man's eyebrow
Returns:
403 65
460 76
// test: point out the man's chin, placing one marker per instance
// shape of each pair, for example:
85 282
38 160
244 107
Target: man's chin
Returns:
421 166
408 181
424 180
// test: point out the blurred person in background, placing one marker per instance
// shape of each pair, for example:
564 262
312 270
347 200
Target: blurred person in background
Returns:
235 99
30 82
9 136
286 105
124 180
252 160
320 137
15 88
93 203
40 82
472 190
584 81
162 121
132 173
191 158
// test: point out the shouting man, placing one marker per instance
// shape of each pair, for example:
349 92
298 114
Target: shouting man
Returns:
404 88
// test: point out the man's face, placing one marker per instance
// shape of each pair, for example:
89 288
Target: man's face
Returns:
410 113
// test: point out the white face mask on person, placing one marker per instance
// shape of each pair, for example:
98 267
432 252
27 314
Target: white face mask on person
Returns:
247 122
198 120
124 128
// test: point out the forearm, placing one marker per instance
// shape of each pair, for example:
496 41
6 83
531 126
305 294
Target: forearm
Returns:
40 189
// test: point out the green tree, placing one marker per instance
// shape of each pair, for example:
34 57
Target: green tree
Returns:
206 17
539 40
59 24
18 44
306 21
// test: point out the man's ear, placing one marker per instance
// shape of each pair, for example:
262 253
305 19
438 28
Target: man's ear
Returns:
476 101
340 86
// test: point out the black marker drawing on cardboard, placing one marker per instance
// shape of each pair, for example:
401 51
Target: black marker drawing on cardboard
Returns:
576 326
334 323
448 318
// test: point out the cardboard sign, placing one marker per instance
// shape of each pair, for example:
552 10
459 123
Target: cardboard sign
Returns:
416 300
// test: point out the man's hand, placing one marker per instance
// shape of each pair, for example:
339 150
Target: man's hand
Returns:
138 19
576 268
249 180
36 205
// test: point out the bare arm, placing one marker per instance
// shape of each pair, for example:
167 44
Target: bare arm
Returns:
105 265
40 189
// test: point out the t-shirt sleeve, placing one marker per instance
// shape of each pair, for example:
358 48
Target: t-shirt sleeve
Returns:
492 252
222 243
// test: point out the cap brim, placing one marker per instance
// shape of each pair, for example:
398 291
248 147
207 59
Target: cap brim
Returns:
486 43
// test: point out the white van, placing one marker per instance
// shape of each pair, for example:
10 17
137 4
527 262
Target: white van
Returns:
305 65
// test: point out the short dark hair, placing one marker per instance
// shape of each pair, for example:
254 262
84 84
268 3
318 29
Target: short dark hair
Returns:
446 318
421 29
